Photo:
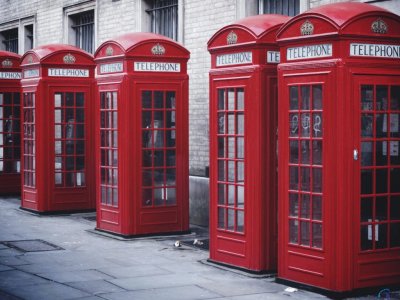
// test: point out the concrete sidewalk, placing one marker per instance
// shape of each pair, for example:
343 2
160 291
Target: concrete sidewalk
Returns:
84 265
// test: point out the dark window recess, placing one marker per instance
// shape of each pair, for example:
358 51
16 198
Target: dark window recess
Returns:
164 17
83 26
28 37
10 40
282 7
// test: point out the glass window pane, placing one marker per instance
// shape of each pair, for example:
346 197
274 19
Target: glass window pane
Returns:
381 208
394 153
221 194
395 207
317 208
305 211
381 236
367 97
240 172
317 235
394 235
158 99
146 197
231 99
293 205
240 124
221 99
317 97
146 99
305 178
317 125
231 124
293 125
317 152
240 148
305 233
221 217
394 125
381 125
293 178
366 182
317 180
305 152
171 196
240 196
221 148
293 151
293 98
293 231
366 209
221 170
231 147
221 123
381 181
240 221
240 99
395 97
231 219
231 195
366 239
305 125
394 180
57 100
381 97
231 171
381 150
366 125
305 97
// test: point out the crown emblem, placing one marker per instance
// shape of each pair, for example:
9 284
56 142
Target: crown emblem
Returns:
29 59
69 59
307 28
109 51
7 63
158 50
379 26
232 38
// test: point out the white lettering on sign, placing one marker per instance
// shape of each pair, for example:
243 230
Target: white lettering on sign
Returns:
31 73
53 72
111 68
273 57
143 66
10 75
375 50
311 51
240 58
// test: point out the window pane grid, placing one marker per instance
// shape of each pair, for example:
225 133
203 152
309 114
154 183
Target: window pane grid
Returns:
158 148
305 165
29 140
10 148
380 167
69 140
231 164
282 7
164 17
84 30
109 148
10 40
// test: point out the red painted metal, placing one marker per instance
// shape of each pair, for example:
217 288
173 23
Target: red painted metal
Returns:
57 138
338 169
142 86
243 126
10 149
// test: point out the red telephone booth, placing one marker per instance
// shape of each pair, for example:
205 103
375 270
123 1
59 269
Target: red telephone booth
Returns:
339 159
57 151
243 124
142 135
10 150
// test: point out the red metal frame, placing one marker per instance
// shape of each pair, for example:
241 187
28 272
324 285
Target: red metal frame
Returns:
243 126
57 106
144 190
10 147
330 233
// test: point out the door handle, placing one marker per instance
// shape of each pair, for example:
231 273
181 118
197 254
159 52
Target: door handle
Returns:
355 154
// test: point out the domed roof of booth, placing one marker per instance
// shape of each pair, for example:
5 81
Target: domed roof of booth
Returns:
342 18
9 54
259 28
46 53
130 42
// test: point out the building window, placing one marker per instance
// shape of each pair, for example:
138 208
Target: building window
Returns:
10 40
164 17
82 25
282 7
28 31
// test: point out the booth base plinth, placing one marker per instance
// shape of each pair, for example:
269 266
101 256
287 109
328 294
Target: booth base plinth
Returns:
57 212
261 273
376 290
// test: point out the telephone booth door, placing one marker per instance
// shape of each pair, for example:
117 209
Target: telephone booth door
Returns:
305 176
10 137
70 137
377 180
161 156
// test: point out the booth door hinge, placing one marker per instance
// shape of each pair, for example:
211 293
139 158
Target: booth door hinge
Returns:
355 154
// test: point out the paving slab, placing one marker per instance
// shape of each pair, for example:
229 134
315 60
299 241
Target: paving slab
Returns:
189 292
15 279
136 271
5 268
96 287
75 276
13 261
48 291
